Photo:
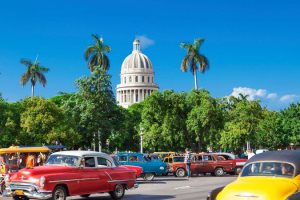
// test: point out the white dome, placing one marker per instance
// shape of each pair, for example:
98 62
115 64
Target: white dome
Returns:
136 61
137 78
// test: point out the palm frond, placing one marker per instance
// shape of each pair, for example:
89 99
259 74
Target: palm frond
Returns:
198 43
26 62
93 62
107 48
25 78
41 78
185 63
203 61
106 63
185 46
43 69
90 50
95 37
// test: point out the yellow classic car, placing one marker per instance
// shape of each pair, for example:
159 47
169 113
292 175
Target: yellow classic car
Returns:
273 175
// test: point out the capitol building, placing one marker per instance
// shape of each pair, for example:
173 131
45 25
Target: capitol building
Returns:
137 78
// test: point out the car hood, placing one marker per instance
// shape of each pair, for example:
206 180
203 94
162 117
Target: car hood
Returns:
39 171
258 188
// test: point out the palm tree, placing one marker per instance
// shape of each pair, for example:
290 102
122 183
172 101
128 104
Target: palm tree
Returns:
34 72
95 54
194 57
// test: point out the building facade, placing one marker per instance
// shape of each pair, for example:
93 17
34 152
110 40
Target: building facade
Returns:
137 78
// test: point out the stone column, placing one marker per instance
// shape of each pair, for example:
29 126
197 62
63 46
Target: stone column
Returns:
134 99
143 97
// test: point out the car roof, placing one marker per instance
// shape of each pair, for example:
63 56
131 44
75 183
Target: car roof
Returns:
81 153
131 153
25 150
289 156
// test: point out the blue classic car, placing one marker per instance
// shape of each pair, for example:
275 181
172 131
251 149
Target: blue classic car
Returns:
150 168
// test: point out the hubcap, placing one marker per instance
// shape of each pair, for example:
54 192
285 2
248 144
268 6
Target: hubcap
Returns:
119 190
180 173
59 195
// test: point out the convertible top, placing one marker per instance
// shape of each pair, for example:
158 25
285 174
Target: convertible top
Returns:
288 156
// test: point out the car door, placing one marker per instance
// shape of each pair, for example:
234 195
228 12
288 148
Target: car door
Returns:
196 164
123 159
208 163
89 179
105 173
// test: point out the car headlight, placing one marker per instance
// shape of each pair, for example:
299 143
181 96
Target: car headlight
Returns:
161 168
6 178
42 182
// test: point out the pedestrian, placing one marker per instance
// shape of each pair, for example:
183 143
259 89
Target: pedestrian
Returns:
187 161
250 153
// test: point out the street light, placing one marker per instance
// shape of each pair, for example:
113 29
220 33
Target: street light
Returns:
141 134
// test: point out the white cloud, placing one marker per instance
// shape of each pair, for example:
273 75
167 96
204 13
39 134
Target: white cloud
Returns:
267 98
288 98
145 41
272 96
250 92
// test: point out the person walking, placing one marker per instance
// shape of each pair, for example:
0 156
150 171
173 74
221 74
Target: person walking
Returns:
187 161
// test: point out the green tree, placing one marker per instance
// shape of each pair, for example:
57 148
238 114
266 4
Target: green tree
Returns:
39 119
291 122
205 120
241 122
271 134
95 54
93 108
33 73
193 59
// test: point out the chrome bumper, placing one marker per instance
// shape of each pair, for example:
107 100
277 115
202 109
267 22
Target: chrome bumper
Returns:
30 190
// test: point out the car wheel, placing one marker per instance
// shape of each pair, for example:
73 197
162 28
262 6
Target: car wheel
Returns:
85 195
59 193
219 171
118 193
149 176
180 172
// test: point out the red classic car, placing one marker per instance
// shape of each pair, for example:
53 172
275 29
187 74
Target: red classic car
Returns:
138 169
239 162
204 163
70 173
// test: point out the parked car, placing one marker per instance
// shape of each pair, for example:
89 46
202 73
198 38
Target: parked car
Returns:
138 169
150 168
13 159
71 173
204 163
162 155
239 162
268 176
170 160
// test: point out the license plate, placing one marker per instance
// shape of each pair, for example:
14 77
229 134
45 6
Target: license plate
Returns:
19 192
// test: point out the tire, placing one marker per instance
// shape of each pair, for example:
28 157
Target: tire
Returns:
85 195
118 193
20 198
59 193
148 176
180 172
219 171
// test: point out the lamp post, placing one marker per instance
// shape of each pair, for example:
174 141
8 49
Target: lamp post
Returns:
141 134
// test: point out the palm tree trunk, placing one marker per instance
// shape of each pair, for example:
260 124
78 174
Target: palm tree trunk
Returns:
195 79
32 91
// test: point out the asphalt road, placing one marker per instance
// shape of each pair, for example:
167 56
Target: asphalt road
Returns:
168 188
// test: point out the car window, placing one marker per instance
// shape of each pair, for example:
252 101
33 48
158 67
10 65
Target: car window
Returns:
170 160
122 158
89 162
102 162
268 169
207 158
134 158
178 159
65 160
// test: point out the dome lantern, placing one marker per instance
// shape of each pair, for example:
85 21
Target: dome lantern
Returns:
136 45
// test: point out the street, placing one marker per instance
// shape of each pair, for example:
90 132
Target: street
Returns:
169 188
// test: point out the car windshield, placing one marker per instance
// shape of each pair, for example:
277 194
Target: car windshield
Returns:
65 160
178 159
268 169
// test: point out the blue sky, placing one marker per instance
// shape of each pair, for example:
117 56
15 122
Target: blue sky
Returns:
253 46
